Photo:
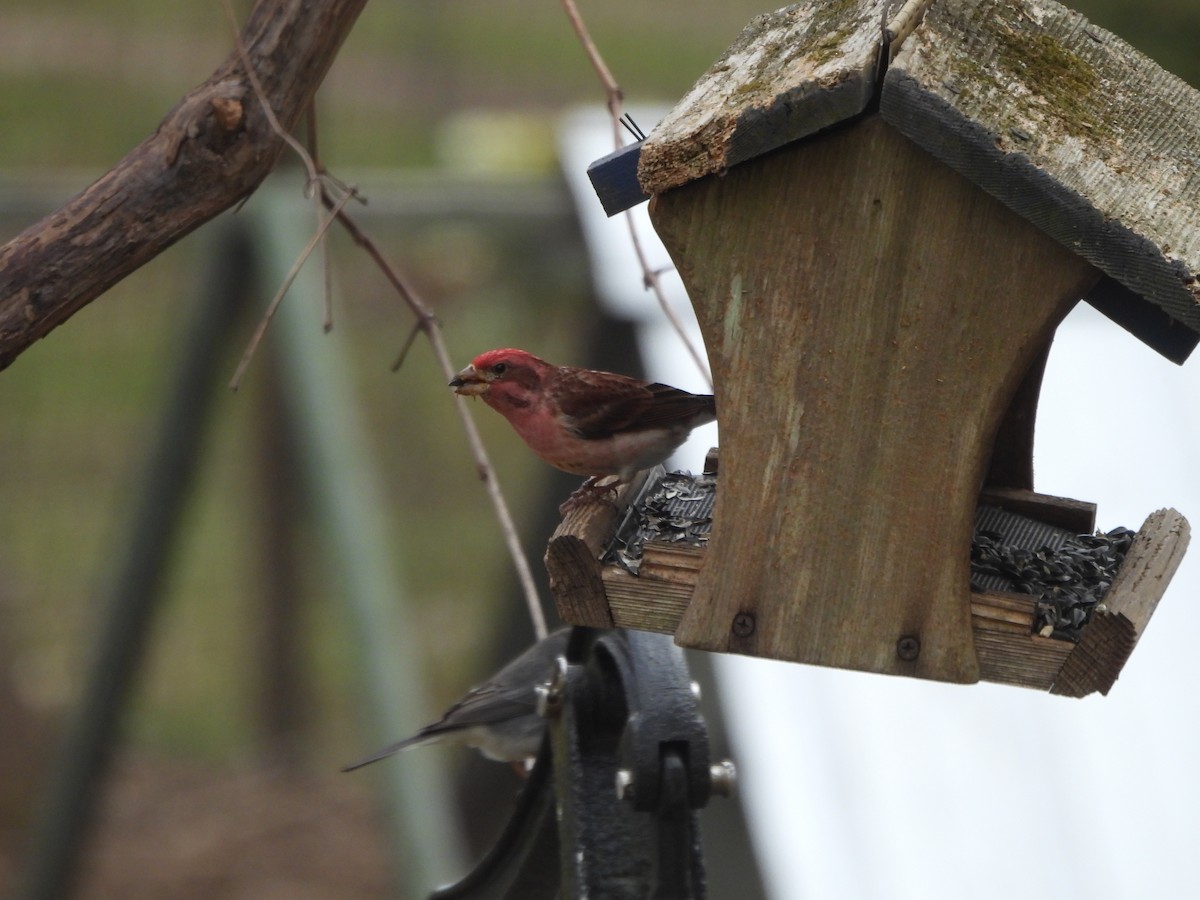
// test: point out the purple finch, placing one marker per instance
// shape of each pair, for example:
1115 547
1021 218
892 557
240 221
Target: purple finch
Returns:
583 421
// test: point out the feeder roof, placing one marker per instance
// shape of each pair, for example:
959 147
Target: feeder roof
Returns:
1064 122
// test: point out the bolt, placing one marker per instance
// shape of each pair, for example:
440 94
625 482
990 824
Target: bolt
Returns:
624 781
550 695
547 703
723 778
908 648
743 625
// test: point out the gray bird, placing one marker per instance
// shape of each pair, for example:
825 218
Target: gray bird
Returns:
498 717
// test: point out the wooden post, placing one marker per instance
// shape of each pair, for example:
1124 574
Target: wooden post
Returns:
869 316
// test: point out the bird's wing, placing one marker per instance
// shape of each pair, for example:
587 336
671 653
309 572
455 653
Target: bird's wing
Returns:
598 404
672 405
418 738
486 704
509 694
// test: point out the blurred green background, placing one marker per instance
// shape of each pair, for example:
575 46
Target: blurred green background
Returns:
80 84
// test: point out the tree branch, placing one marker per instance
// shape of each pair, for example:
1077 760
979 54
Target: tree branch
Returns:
213 149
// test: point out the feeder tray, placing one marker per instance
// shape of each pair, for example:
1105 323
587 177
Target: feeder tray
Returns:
1083 601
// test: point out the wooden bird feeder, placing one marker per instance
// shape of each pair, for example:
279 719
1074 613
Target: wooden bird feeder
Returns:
880 224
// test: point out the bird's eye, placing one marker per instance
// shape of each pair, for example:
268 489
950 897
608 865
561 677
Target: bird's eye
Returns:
499 368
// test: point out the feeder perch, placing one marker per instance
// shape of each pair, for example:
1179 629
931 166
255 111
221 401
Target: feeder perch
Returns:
880 223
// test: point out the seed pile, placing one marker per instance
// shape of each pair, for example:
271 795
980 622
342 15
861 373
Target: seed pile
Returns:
1069 581
1069 574
677 507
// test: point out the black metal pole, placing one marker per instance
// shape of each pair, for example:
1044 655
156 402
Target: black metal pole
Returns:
132 596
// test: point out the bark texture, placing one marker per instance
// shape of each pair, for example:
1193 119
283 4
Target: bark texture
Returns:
213 149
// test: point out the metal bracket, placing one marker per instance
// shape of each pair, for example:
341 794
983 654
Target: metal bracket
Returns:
610 809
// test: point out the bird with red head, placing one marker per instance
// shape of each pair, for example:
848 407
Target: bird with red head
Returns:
585 421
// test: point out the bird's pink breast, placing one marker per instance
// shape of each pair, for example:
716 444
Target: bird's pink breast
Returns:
620 454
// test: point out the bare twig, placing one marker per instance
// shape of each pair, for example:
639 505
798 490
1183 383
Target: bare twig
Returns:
650 276
252 77
611 88
406 346
207 154
315 177
427 322
265 321
327 269
310 142
615 98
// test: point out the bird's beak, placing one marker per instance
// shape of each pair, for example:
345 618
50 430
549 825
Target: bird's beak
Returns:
469 383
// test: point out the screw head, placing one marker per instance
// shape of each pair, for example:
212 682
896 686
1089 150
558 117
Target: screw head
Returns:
624 784
550 694
908 648
723 778
743 624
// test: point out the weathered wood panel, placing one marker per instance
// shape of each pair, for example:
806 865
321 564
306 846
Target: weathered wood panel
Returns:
789 74
1077 516
1011 464
1068 125
869 315
645 603
1001 624
1114 630
573 554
